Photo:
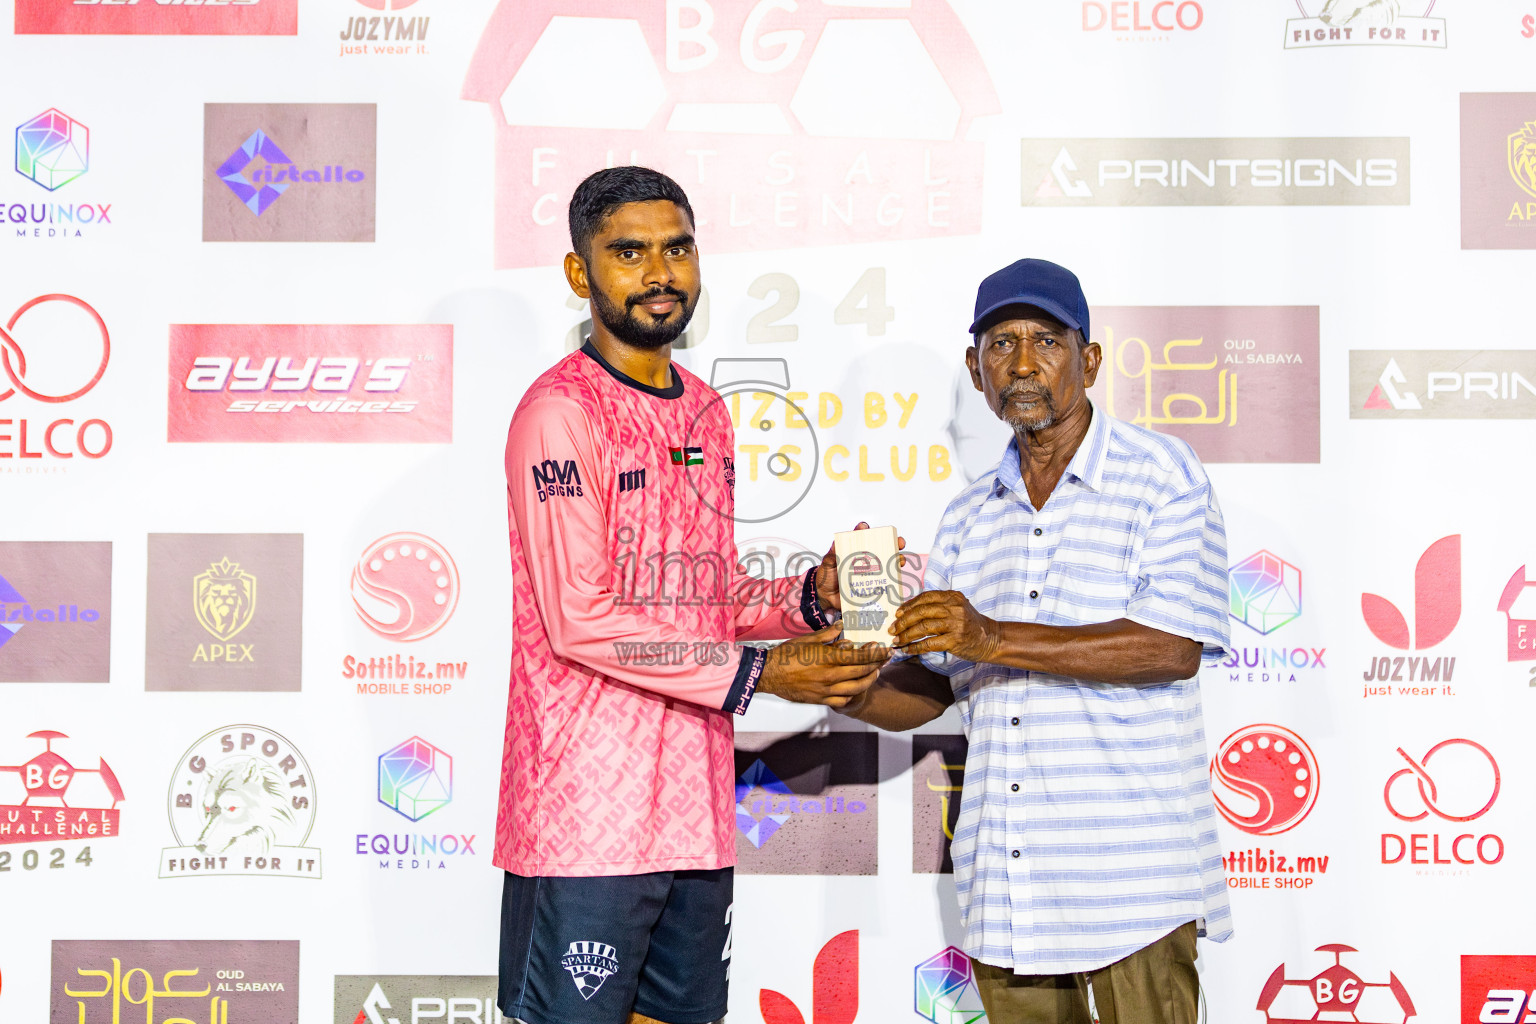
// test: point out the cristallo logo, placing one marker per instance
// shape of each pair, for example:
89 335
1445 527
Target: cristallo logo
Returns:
788 124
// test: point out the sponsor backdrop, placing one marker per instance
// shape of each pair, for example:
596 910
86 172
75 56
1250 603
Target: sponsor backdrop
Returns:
260 339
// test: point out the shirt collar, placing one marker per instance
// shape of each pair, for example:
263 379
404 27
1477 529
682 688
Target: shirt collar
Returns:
1086 467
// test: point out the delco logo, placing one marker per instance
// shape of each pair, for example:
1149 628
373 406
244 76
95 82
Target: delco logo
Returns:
311 383
788 124
53 362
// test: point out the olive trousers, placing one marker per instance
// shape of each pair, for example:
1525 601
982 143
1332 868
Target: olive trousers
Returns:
1154 985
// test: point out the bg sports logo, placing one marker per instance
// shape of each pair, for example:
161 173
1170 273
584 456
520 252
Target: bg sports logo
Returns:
333 382
789 125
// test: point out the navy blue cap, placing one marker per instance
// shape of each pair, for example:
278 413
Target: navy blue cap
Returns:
1034 283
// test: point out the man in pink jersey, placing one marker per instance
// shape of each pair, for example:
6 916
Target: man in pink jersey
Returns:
616 824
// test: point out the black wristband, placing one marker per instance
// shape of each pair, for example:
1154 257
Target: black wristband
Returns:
810 602
747 675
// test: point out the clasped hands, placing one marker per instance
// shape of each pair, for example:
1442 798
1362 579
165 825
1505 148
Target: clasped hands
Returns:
820 668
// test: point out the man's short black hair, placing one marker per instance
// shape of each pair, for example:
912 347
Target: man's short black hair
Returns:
605 191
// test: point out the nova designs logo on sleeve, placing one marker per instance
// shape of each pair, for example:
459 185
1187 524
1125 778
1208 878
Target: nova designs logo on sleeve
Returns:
289 172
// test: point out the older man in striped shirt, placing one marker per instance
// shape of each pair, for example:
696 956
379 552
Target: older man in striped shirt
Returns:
1069 600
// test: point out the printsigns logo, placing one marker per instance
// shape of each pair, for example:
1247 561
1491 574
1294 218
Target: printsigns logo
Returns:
55 611
1518 603
944 989
1265 779
62 335
1498 988
133 17
938 778
181 981
242 802
1335 993
1215 172
415 778
1188 370
405 587
303 382
1498 170
206 628
1266 592
1442 384
590 964
1365 23
788 126
53 149
1436 601
364 999
52 801
834 987
324 172
806 805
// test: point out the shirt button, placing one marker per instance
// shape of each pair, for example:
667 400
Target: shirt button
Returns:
1015 854
1015 721
1034 595
1037 531
1015 787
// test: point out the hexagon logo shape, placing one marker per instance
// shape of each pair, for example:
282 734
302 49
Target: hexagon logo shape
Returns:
415 779
1266 592
53 149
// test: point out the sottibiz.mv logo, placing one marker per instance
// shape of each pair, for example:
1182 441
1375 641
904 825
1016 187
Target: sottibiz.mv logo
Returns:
1335 993
788 124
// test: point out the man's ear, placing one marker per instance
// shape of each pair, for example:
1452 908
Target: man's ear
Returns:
576 275
1093 355
972 363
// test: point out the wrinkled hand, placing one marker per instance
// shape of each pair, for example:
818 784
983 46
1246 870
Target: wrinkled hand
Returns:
827 590
818 668
943 620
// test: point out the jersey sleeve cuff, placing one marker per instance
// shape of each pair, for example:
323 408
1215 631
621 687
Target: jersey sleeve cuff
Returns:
810 603
745 685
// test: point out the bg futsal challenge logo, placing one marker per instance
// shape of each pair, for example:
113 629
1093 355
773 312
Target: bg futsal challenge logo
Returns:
788 125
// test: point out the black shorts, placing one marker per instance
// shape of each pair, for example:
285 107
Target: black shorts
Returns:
591 950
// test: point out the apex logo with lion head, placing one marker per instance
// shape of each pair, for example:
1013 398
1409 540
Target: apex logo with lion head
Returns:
242 803
224 598
1522 158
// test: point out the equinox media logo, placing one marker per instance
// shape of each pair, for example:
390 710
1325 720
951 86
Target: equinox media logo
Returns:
53 149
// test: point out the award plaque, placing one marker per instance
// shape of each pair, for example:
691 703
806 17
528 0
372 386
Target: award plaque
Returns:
869 579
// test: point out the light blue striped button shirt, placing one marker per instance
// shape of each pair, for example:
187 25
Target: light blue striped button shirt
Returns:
1086 828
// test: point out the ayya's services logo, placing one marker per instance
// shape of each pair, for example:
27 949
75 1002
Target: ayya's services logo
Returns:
158 17
289 172
788 124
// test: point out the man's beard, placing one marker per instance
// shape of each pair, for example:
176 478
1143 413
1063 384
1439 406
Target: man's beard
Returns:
638 328
1037 417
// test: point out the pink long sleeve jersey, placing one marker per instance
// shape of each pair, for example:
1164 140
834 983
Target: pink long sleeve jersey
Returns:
618 754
